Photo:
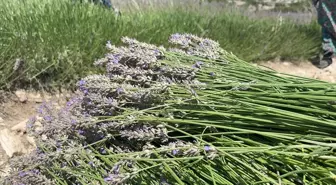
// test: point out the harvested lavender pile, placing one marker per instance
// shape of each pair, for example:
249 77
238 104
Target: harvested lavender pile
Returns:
192 114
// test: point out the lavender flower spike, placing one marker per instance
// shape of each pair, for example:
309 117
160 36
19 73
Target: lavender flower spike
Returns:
108 178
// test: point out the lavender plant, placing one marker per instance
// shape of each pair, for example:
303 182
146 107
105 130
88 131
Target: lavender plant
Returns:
194 114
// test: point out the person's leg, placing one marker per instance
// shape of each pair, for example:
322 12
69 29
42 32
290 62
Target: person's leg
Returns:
329 49
107 3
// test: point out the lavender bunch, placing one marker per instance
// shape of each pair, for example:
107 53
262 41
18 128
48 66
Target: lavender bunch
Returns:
138 77
143 64
193 45
186 117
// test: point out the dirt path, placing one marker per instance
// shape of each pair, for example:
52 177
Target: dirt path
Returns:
304 69
15 112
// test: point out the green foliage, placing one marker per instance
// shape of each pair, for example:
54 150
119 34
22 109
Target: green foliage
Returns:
59 39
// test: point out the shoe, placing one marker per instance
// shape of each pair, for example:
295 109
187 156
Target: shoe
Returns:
324 62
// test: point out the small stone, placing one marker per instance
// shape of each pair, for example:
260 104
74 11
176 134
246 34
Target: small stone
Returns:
267 7
22 95
287 63
240 3
20 127
12 143
35 97
252 8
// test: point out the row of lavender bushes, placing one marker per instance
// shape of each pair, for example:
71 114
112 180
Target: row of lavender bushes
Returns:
49 44
190 114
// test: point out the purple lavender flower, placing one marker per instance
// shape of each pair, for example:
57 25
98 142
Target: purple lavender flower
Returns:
40 110
162 69
39 151
85 91
156 52
91 164
175 152
36 171
101 136
58 144
116 169
120 90
116 59
206 41
108 178
207 148
32 119
64 164
69 103
73 121
22 173
163 180
81 82
81 132
184 43
199 64
47 118
102 150
176 36
110 100
169 81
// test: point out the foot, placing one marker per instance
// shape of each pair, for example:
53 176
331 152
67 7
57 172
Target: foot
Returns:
324 62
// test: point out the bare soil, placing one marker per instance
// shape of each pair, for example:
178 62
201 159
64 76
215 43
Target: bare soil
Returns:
304 69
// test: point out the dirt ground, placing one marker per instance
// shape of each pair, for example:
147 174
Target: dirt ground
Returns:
20 107
304 69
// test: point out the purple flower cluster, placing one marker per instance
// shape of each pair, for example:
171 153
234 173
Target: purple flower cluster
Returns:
139 64
33 176
193 45
145 132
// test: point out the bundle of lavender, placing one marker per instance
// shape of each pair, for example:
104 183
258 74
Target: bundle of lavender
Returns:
192 114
